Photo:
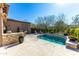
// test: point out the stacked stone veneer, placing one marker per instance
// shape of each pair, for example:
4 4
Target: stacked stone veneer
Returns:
10 38
0 40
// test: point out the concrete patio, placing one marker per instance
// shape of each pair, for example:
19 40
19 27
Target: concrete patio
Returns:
32 46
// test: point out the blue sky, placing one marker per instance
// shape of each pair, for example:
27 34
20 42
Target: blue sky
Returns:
30 11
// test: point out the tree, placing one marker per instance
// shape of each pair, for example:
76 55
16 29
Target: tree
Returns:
50 21
39 22
75 20
61 17
45 22
60 26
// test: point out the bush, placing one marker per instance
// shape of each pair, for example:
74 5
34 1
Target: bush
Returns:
21 39
65 34
5 30
18 29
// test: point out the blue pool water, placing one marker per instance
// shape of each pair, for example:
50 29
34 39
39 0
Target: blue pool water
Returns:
55 39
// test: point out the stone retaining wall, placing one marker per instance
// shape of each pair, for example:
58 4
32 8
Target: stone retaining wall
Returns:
10 38
0 41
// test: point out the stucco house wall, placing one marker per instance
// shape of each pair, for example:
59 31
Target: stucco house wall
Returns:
12 25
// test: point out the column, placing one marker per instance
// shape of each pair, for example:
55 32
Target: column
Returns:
1 26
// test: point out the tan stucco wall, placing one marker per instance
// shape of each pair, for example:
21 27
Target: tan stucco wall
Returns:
13 25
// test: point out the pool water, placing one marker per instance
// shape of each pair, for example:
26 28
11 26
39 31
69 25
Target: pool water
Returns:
55 39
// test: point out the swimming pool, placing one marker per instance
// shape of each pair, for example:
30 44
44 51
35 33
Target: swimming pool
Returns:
55 39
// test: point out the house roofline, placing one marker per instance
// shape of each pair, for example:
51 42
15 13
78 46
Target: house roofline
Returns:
18 21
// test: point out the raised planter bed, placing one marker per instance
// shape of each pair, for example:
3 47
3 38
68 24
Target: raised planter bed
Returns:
11 38
72 44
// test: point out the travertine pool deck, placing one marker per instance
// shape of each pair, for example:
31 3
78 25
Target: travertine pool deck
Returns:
32 46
